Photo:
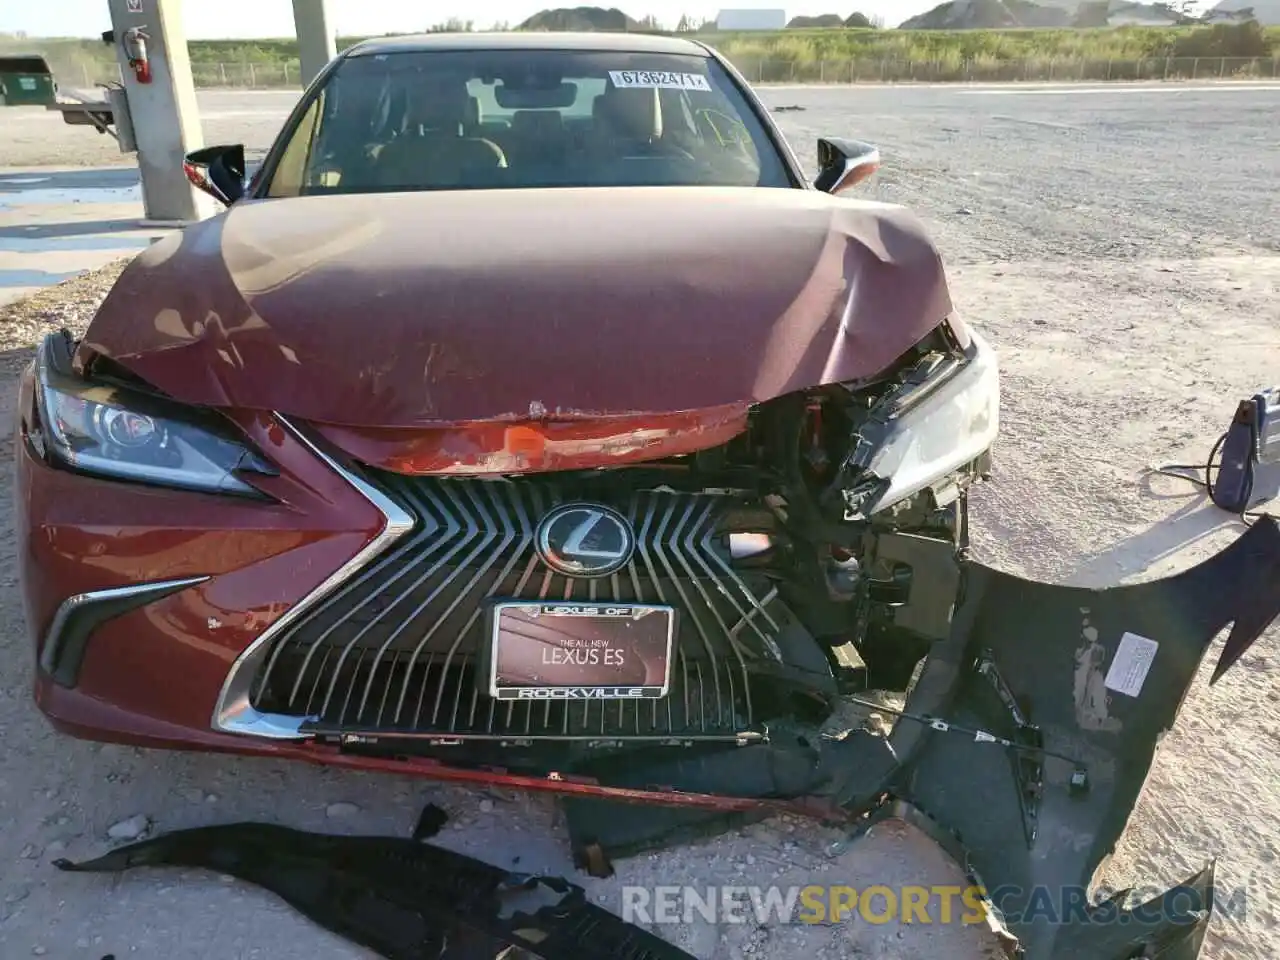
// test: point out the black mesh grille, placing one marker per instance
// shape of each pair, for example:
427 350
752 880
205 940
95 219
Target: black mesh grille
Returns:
395 649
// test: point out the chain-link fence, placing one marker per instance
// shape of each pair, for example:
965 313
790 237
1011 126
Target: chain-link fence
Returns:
276 75
285 74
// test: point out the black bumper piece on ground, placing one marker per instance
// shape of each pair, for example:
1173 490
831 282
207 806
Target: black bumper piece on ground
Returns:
404 899
1083 682
1098 676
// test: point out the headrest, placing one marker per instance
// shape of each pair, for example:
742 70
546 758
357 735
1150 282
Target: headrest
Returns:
630 111
439 103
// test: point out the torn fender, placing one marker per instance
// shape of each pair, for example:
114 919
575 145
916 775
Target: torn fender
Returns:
404 899
1096 676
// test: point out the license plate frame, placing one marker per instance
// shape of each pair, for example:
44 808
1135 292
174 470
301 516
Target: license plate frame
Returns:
657 640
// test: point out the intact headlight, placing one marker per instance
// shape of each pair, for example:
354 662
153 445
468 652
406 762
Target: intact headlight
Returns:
948 422
113 432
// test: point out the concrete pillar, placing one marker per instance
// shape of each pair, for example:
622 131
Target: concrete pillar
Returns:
166 119
316 42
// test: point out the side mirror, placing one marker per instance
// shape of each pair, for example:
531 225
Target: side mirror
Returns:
218 171
844 164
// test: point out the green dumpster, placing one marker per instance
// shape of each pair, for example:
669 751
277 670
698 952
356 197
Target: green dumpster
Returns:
25 81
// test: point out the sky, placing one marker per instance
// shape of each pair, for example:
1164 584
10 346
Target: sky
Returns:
216 19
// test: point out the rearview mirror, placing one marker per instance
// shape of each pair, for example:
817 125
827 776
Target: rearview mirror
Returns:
535 98
217 171
844 163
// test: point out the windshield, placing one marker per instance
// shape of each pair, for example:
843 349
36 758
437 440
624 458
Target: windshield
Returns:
488 119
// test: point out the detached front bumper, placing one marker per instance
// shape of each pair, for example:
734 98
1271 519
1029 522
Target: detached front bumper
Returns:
1082 683
1097 676
1093 678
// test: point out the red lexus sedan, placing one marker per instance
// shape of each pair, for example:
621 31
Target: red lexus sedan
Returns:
509 410
529 416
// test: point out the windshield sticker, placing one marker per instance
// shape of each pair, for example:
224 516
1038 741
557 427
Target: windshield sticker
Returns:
659 79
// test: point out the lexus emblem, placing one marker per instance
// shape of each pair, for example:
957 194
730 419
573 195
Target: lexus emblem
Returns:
585 540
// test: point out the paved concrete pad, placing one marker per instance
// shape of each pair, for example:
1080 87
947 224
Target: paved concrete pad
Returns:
56 223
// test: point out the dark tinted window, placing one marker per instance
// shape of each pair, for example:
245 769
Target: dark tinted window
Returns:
487 119
23 65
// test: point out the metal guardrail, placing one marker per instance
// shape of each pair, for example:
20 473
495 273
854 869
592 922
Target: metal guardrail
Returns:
285 74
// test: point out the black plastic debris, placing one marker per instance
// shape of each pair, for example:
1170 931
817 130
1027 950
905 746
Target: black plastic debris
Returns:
591 857
430 822
404 899
1103 674
1022 748
763 771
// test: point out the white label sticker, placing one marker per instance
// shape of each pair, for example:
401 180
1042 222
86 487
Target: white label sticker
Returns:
659 79
134 6
1128 671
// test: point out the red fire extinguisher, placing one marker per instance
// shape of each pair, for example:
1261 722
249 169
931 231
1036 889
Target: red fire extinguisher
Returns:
135 48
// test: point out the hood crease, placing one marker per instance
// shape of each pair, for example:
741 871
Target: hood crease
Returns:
426 309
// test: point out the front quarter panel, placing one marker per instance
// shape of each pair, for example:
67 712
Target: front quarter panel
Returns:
78 534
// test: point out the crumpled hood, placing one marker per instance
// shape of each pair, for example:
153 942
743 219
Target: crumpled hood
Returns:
401 310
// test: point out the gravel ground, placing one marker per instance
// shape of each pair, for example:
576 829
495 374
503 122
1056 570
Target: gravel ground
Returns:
1120 250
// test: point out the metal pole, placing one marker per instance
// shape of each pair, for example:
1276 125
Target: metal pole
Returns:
166 118
316 42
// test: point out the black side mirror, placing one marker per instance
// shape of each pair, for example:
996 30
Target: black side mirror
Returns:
218 171
844 163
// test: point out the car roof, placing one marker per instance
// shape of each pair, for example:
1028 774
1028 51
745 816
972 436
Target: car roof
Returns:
532 40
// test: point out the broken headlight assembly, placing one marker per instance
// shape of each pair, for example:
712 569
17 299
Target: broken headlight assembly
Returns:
111 431
943 416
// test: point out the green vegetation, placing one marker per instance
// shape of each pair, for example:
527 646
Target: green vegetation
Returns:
924 46
819 54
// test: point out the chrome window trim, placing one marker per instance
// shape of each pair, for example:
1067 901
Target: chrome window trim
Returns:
233 713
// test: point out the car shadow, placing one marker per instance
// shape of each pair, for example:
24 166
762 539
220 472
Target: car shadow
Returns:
1153 552
11 363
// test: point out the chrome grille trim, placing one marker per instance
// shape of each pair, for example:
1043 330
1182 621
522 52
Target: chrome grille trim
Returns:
233 712
394 651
